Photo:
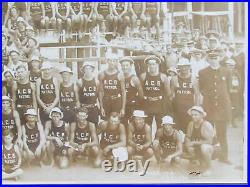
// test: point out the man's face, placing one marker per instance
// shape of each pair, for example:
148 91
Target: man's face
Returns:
168 128
184 69
14 57
13 12
35 64
139 122
126 67
66 76
7 139
88 70
112 63
114 120
152 66
21 73
46 72
31 118
5 105
196 116
8 77
82 116
213 61
56 117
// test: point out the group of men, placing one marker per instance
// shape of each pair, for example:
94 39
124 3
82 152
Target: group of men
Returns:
51 118
83 16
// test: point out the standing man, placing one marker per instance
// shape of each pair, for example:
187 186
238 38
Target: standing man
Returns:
214 85
47 90
184 93
134 91
23 92
156 90
87 92
112 88
67 95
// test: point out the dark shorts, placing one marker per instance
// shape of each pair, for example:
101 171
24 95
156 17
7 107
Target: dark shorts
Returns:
32 147
112 105
69 115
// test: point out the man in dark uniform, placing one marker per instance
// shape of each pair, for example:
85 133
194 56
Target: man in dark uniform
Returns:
152 13
84 138
50 16
156 90
214 85
67 95
87 92
120 11
139 137
104 13
63 19
168 142
35 65
135 11
112 88
113 135
11 120
23 92
184 91
36 13
134 91
47 90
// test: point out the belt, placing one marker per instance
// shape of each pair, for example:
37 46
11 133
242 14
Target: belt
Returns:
89 105
113 96
153 98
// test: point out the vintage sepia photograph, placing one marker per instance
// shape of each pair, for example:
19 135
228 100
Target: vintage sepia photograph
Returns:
124 92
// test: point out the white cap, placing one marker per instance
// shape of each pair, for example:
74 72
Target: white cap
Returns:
167 120
20 19
31 111
197 108
6 98
183 62
56 109
29 27
46 65
66 69
87 64
139 113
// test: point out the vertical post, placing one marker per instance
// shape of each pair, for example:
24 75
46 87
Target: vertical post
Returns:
202 18
231 20
240 17
189 10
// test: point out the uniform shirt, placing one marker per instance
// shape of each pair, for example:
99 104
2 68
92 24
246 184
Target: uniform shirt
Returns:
86 8
131 90
48 9
103 9
137 7
151 8
10 158
82 135
67 97
76 7
24 94
111 85
214 85
47 91
120 7
88 92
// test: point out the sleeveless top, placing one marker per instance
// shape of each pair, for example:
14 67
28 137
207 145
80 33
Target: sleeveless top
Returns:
131 91
24 94
48 9
88 92
62 8
111 85
58 131
9 123
86 8
110 137
76 7
103 8
139 136
36 10
151 8
32 136
82 135
120 7
137 7
47 91
153 86
67 97
10 158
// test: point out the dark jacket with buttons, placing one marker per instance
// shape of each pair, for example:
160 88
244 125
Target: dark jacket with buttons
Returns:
214 85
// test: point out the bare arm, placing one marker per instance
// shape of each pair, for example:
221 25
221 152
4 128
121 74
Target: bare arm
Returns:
138 85
56 101
148 137
94 137
76 90
123 91
173 84
14 88
166 85
42 135
25 146
18 156
72 134
130 135
18 125
178 151
43 9
101 91
34 95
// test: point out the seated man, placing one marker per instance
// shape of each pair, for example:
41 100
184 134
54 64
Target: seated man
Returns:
168 142
11 160
83 137
113 135
199 139
139 137
57 132
33 137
